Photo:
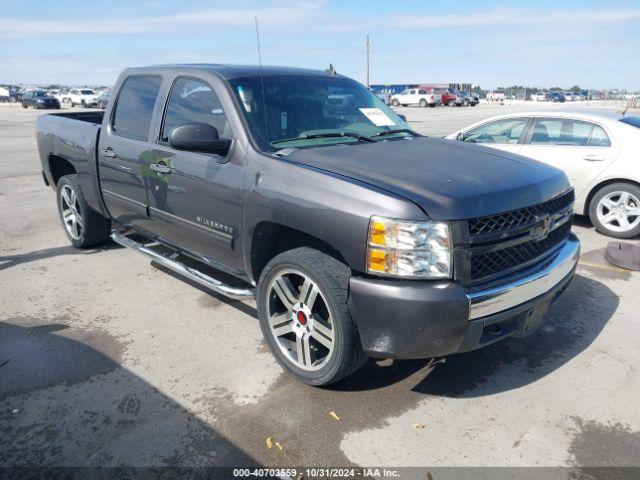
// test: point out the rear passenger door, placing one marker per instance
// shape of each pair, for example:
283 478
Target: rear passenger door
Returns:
198 205
124 148
579 148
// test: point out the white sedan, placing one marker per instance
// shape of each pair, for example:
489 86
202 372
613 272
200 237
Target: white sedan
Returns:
597 151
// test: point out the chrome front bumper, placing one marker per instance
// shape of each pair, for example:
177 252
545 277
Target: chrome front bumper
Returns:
531 283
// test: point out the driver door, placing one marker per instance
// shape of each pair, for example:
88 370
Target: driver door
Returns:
506 134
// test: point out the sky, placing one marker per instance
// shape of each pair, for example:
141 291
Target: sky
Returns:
545 43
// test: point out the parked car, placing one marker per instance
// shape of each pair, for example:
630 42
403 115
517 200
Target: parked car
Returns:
5 95
467 99
15 95
597 151
555 97
422 96
342 226
539 97
39 99
102 100
449 96
82 96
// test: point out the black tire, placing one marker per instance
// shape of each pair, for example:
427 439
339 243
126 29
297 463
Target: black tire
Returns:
96 228
24 105
332 279
599 195
395 102
423 103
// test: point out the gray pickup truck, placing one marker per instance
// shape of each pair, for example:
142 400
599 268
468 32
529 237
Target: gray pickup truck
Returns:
357 236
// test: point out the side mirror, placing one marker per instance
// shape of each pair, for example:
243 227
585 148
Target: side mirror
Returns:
460 137
402 117
199 137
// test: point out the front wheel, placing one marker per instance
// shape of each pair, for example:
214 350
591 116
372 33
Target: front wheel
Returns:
84 226
615 210
304 316
395 102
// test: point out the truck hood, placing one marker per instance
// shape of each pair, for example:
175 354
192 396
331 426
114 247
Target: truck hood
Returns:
449 180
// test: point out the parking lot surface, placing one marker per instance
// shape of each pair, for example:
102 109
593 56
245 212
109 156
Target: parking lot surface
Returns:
106 360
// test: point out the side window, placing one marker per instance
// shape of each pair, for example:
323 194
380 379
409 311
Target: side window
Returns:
505 131
134 108
599 137
422 92
193 101
412 92
561 131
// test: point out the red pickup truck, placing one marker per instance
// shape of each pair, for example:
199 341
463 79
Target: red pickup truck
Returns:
448 95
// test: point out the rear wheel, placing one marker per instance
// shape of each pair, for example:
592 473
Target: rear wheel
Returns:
423 103
304 316
615 210
84 226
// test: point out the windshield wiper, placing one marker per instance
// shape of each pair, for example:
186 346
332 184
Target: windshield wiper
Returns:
310 136
396 130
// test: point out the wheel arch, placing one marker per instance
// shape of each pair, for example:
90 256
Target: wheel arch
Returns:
59 167
271 238
602 184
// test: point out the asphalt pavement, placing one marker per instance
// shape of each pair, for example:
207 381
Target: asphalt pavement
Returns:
106 360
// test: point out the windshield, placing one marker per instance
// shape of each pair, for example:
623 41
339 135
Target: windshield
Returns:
320 108
634 121
86 92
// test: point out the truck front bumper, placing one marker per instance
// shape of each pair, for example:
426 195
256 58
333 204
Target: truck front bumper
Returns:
421 319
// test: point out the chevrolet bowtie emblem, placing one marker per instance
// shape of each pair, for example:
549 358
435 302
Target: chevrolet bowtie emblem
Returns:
542 227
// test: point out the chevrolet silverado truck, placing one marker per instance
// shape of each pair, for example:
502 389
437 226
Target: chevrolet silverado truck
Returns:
357 236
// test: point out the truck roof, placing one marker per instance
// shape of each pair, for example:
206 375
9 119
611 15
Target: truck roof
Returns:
229 72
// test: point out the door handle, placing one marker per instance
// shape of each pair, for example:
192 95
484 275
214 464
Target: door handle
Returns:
108 152
161 168
593 158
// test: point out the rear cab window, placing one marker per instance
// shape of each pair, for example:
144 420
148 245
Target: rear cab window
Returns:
134 107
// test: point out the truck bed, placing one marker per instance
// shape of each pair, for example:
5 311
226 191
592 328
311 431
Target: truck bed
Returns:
89 117
72 136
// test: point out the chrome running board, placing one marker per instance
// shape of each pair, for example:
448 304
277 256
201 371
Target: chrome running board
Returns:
191 273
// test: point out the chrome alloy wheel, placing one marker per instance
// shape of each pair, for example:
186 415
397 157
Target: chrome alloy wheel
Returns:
71 214
619 211
300 320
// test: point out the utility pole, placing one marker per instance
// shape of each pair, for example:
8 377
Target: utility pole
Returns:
368 47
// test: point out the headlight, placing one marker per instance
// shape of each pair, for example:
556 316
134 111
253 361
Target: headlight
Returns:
409 249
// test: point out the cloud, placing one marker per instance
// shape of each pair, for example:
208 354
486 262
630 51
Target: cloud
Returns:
489 19
305 15
201 20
